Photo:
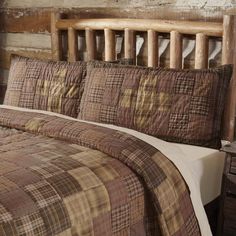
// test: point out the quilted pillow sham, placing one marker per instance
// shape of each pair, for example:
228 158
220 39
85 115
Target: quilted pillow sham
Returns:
183 106
46 85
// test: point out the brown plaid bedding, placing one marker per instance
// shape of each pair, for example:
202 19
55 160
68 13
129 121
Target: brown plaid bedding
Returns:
183 106
46 85
64 177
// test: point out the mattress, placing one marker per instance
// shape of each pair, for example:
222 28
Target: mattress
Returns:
207 166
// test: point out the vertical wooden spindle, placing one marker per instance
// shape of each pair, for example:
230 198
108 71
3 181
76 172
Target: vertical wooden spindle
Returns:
175 50
72 44
201 51
55 37
90 44
227 41
110 54
130 44
229 57
152 48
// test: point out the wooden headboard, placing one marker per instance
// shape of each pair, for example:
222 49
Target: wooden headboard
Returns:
202 31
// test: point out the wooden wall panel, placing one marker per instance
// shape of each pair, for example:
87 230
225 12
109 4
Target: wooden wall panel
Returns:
25 25
38 20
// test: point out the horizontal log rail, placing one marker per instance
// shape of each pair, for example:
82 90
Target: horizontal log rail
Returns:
163 26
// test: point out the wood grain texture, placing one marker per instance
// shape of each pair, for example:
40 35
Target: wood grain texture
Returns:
56 43
201 51
229 56
5 55
90 44
164 26
130 44
152 48
72 45
176 50
110 54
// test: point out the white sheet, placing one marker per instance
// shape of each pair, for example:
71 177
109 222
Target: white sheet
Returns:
173 152
207 167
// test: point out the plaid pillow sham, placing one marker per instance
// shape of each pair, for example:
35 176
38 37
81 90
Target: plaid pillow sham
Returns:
183 106
46 85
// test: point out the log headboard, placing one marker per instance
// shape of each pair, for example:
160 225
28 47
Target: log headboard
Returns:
201 31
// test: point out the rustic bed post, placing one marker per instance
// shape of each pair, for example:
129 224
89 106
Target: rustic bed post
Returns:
55 37
229 57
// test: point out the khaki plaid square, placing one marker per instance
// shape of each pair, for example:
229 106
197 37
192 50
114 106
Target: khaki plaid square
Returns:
42 193
98 200
78 209
105 173
86 178
31 224
91 158
55 217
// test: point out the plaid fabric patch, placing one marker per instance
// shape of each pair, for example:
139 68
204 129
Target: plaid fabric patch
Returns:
96 95
185 85
134 189
42 193
126 98
108 114
66 163
30 225
120 197
86 178
200 106
179 122
5 216
55 217
64 184
110 82
98 200
46 170
120 218
82 223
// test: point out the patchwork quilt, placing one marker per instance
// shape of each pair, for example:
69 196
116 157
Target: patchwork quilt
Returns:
66 177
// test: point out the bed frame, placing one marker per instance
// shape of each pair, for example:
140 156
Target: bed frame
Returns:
225 30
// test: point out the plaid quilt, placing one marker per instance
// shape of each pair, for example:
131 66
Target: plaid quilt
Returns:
65 177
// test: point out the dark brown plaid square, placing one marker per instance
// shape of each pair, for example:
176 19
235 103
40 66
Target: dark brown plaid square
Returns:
179 122
64 184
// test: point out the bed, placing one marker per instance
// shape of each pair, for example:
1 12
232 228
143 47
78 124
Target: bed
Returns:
87 173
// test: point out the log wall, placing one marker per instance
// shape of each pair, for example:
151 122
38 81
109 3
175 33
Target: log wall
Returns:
25 24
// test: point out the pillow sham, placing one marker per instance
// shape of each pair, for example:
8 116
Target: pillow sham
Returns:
46 85
183 106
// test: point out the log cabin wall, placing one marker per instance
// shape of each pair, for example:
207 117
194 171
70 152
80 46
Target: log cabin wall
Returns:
25 24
